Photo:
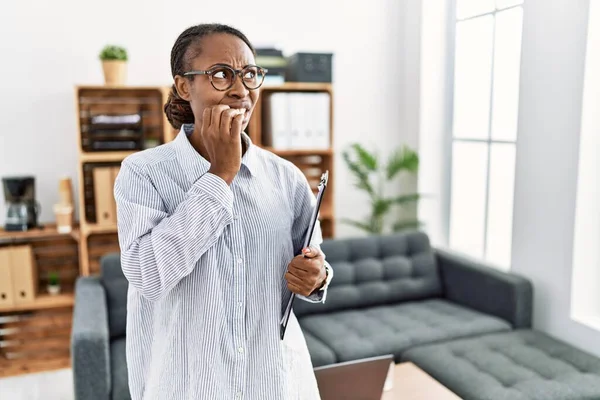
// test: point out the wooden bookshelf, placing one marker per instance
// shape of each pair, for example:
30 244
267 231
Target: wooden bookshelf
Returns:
35 329
100 158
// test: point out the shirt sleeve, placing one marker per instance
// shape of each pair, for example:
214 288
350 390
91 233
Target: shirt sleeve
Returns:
305 202
158 249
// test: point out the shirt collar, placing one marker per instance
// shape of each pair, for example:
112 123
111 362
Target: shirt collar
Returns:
194 165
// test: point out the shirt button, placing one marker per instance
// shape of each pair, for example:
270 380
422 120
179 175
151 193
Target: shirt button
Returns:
240 304
241 349
238 395
239 260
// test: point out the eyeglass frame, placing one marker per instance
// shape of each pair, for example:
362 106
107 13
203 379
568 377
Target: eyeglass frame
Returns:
236 73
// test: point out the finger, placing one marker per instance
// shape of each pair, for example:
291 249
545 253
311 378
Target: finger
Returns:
236 125
298 286
206 115
300 266
311 252
295 289
226 117
297 271
309 271
215 119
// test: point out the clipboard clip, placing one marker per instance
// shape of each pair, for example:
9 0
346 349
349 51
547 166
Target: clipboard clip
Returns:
309 234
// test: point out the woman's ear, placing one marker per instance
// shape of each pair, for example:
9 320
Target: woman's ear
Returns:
183 87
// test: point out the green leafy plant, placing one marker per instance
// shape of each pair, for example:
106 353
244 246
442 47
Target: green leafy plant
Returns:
371 175
53 279
113 52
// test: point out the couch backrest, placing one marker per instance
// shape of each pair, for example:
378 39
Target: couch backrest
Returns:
115 285
377 270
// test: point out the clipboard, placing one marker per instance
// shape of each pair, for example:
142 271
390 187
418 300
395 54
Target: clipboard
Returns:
307 239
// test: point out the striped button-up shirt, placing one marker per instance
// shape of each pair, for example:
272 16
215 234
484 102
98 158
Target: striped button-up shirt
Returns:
206 264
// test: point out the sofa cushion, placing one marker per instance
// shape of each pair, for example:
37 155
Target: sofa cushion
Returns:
320 353
118 371
377 270
395 328
519 365
115 285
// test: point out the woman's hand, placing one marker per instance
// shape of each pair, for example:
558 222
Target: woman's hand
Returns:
221 136
306 272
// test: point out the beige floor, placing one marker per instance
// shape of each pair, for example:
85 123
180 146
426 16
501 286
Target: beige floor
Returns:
55 385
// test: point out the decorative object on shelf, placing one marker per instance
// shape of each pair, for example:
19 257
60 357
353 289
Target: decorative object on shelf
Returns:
22 209
53 283
114 64
309 67
64 218
63 211
363 164
65 191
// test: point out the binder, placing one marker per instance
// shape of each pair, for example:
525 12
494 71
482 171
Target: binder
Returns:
24 274
6 289
103 196
307 240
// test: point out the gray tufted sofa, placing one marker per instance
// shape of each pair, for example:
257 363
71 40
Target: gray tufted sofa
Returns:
391 293
465 324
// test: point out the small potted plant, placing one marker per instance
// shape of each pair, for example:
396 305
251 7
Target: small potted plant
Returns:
114 64
53 283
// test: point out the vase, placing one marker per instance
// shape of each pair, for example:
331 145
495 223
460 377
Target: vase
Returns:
54 289
115 72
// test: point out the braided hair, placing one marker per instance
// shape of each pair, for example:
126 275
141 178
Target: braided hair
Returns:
185 49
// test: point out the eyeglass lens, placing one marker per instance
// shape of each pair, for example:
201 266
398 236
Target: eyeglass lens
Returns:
222 78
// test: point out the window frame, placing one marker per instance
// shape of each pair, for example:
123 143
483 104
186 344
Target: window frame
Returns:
451 139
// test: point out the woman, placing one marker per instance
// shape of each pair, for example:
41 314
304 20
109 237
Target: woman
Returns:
211 230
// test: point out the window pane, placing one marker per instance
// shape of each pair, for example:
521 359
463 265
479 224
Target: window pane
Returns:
467 212
507 63
500 4
500 204
470 8
472 77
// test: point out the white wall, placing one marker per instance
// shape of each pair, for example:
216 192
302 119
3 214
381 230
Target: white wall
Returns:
585 287
434 118
48 47
554 45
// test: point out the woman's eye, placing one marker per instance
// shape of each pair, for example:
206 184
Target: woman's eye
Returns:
250 75
219 75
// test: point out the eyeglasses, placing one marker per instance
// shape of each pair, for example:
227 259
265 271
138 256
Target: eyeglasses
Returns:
222 77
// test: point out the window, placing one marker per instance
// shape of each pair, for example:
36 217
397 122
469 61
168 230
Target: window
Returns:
487 57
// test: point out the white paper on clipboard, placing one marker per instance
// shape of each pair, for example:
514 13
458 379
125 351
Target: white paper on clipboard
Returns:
307 240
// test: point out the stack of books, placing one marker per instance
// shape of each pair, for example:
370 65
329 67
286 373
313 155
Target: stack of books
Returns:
273 60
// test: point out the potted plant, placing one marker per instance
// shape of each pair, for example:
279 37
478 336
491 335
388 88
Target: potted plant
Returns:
114 64
372 175
53 283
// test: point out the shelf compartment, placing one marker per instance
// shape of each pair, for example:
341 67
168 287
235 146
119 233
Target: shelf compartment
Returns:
98 246
34 341
106 114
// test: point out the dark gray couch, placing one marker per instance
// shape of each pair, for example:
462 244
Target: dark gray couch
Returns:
392 293
466 324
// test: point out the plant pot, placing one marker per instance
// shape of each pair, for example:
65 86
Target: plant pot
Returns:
115 72
54 289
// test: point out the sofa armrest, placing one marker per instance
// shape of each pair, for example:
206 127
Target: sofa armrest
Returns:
485 289
90 352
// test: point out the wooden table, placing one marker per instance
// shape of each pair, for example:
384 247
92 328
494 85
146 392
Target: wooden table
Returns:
412 383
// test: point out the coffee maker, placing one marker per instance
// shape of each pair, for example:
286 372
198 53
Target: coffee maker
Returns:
22 209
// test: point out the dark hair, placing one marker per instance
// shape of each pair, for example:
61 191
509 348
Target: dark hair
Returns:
185 49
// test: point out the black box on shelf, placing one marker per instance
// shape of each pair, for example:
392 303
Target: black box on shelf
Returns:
309 67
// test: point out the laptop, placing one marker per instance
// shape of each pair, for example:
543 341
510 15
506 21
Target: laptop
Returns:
361 379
